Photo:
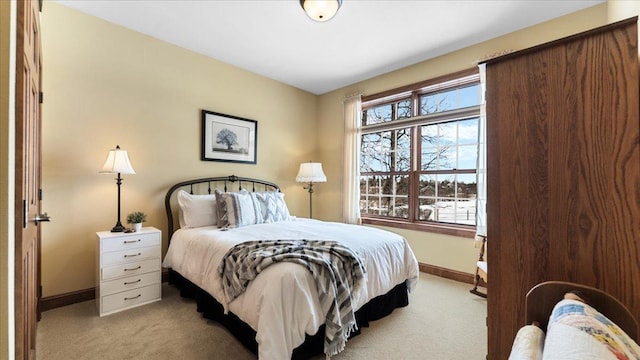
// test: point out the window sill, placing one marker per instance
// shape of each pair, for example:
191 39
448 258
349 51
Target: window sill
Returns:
454 230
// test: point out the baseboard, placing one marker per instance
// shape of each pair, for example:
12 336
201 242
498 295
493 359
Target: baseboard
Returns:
449 274
74 297
56 301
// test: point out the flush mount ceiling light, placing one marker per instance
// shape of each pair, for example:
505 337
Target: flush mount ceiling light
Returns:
321 10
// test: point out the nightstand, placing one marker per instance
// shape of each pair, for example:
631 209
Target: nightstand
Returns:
128 269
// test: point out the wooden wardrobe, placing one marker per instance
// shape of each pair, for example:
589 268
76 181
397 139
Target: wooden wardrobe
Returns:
563 157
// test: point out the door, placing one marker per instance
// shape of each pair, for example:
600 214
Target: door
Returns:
27 173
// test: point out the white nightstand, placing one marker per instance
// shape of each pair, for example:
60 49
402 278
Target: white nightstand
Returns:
129 270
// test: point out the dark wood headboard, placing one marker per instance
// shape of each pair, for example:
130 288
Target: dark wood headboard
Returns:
208 186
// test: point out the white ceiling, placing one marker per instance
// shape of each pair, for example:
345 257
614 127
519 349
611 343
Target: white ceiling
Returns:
366 38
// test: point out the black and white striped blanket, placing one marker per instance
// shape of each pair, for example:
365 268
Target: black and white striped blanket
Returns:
338 272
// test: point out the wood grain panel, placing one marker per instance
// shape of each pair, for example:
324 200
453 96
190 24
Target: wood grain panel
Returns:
563 172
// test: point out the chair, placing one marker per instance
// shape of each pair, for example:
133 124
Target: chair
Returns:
543 297
481 268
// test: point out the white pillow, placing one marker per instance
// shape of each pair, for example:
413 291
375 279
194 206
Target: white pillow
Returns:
241 208
272 206
197 210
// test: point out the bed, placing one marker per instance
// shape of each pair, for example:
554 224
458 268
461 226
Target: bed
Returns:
280 313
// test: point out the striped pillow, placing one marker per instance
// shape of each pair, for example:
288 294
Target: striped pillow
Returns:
240 209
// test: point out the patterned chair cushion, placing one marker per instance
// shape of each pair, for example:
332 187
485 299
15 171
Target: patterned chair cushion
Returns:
578 331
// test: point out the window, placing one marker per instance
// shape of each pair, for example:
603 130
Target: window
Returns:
419 153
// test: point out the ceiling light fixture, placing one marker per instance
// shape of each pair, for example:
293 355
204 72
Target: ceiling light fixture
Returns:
321 10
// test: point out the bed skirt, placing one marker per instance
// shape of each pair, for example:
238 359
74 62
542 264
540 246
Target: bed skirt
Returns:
375 309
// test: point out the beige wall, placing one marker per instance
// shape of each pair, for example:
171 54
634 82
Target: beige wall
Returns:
7 143
99 93
621 9
106 85
440 250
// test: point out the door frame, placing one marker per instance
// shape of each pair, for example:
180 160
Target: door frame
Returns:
8 35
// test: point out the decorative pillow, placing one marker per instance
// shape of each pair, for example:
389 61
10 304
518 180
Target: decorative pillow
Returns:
273 206
242 209
221 207
196 210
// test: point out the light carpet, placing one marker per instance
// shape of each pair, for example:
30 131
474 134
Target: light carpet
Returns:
443 321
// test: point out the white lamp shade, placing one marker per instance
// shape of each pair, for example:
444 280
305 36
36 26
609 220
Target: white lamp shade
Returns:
311 172
117 162
321 10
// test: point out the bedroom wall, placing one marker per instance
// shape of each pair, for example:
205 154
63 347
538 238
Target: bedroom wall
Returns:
621 9
440 250
106 85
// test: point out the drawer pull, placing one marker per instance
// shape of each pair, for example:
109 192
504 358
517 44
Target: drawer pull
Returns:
126 256
131 298
132 282
135 268
131 241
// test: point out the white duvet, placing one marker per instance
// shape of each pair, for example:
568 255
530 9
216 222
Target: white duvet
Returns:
281 304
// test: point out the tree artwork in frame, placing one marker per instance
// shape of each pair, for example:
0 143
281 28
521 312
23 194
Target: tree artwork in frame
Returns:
228 138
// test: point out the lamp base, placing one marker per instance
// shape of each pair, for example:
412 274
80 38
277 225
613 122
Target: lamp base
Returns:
310 189
118 228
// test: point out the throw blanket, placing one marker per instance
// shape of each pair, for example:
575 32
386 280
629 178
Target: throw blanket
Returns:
338 272
578 331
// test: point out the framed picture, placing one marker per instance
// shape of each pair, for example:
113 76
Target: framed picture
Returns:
228 138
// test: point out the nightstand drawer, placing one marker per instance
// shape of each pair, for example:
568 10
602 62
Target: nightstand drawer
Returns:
129 269
131 241
130 298
129 283
123 256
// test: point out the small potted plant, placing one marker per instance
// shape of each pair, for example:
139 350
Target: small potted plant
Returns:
136 218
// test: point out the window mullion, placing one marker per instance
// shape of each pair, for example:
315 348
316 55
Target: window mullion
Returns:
415 104
415 159
414 177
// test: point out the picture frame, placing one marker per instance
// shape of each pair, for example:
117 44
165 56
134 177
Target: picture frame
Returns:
228 138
